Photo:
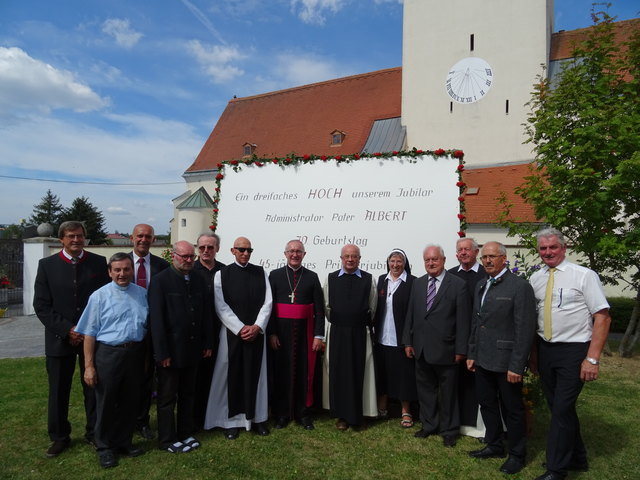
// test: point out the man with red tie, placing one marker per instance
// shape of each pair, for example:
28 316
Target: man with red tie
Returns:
62 288
146 265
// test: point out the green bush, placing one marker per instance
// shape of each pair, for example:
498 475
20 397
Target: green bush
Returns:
621 308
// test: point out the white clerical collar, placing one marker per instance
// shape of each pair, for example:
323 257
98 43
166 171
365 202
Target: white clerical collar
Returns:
403 276
240 265
357 272
69 257
294 269
475 268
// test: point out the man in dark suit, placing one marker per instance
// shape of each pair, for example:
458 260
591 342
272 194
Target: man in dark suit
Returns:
146 265
182 333
471 272
502 330
436 333
62 288
208 245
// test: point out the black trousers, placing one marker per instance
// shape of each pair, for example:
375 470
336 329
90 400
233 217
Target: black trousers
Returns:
559 366
60 375
119 373
176 386
438 396
496 394
146 386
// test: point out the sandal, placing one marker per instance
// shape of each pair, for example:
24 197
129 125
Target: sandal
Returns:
191 443
407 420
177 447
383 414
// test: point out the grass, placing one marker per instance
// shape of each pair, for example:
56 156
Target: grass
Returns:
608 409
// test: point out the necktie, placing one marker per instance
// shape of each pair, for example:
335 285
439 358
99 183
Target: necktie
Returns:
142 274
431 292
548 296
490 283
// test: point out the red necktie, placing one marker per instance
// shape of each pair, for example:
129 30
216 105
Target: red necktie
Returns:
142 274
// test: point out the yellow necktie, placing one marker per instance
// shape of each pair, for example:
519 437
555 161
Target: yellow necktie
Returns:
548 295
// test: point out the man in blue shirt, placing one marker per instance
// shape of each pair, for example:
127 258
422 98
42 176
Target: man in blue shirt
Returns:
114 324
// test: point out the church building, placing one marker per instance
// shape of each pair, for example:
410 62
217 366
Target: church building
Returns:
432 101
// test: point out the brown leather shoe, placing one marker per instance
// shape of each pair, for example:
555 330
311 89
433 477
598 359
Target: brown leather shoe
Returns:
57 447
341 424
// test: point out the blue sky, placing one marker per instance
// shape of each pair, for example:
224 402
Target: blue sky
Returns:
108 93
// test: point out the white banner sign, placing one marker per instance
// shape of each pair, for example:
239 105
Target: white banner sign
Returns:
377 204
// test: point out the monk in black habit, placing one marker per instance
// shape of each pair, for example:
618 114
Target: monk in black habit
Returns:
351 300
296 334
238 396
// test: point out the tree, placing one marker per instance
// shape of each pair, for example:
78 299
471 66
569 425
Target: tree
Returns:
48 210
585 128
83 211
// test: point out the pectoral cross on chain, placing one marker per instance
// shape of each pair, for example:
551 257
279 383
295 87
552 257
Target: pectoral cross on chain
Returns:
292 296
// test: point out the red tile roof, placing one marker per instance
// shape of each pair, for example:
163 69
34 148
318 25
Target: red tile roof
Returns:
564 42
300 120
491 182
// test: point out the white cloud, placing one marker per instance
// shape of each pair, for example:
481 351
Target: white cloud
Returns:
313 11
148 151
121 31
216 60
301 70
28 85
117 211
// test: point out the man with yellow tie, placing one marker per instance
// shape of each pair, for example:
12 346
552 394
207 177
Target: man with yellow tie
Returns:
573 324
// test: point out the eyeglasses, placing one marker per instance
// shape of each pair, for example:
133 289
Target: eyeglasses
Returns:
243 249
490 257
74 236
295 252
185 257
350 257
202 248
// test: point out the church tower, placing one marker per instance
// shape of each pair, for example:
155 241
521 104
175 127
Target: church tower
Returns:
468 70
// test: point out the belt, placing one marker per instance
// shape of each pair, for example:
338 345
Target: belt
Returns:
126 345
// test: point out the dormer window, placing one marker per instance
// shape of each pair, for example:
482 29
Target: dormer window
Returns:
337 138
248 149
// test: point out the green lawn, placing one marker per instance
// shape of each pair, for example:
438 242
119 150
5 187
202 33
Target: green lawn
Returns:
609 410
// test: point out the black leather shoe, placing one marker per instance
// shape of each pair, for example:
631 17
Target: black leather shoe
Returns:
231 433
57 447
512 466
146 432
261 429
282 422
549 475
130 451
107 459
487 452
422 433
449 440
307 423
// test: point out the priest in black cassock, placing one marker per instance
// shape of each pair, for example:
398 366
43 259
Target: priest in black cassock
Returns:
296 334
351 300
238 396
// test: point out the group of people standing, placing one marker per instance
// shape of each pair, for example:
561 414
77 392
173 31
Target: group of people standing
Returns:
231 344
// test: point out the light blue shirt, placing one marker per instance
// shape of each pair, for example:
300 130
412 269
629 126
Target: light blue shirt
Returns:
115 314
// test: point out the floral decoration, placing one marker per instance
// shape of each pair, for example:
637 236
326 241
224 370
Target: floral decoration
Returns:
294 159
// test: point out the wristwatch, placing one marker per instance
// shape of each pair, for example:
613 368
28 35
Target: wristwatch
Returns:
592 361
